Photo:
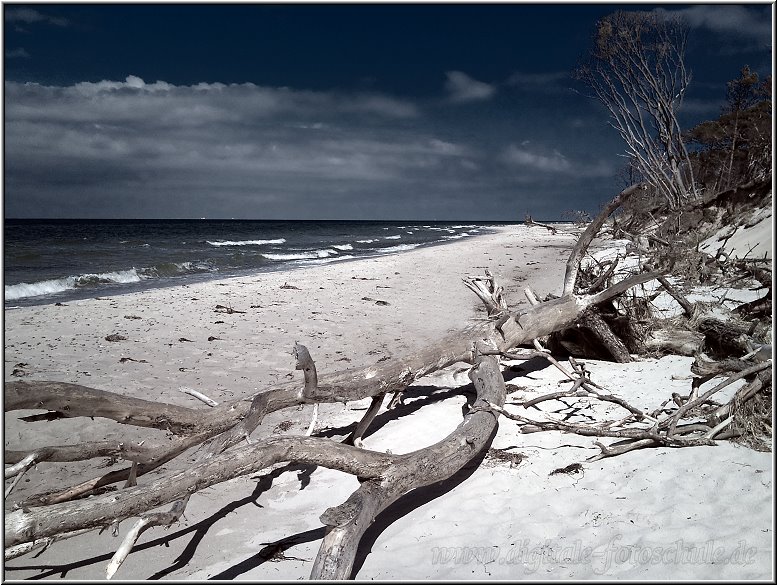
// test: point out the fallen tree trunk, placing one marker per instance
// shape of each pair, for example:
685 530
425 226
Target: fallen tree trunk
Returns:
25 525
344 386
529 221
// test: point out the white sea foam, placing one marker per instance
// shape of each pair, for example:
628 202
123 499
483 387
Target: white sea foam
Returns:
46 287
392 237
327 260
399 248
343 246
247 242
294 256
326 253
365 241
457 236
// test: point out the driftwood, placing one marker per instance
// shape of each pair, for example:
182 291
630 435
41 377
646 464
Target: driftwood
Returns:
580 248
224 431
529 221
640 429
674 341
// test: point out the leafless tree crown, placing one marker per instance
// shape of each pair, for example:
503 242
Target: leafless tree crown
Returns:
635 68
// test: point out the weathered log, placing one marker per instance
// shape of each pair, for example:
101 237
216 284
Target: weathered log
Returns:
674 341
73 400
703 366
759 308
529 221
41 522
723 337
102 510
33 523
241 417
593 321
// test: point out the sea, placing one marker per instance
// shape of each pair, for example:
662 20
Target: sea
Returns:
50 261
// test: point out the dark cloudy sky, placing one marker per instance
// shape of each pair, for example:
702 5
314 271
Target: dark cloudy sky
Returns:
392 111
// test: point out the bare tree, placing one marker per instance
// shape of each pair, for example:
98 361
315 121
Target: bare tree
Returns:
635 69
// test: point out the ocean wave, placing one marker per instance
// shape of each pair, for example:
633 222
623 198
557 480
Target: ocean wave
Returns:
312 254
399 248
457 236
247 242
343 246
46 287
167 269
392 237
326 260
365 241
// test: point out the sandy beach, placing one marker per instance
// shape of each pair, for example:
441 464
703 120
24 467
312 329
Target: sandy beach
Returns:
693 513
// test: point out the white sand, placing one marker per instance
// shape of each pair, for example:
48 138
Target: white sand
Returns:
651 514
752 240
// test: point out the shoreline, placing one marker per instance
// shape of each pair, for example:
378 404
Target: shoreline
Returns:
145 284
329 301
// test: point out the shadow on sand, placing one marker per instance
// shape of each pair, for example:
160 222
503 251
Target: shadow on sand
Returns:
414 398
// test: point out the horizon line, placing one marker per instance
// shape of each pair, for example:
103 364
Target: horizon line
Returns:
470 220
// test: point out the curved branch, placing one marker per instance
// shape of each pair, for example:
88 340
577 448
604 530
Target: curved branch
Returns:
347 523
73 400
573 263
40 522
